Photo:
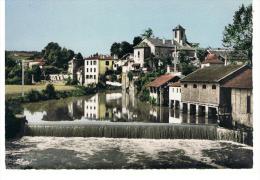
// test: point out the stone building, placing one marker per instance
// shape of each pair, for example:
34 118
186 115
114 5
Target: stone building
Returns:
164 48
159 90
241 87
202 91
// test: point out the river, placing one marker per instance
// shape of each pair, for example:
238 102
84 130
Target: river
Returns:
75 133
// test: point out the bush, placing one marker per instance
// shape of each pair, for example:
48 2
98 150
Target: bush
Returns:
33 96
49 91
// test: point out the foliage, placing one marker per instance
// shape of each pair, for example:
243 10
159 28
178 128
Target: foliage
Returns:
113 77
70 81
186 66
137 40
238 35
145 95
33 96
130 75
120 49
12 124
147 33
201 54
50 92
57 56
36 72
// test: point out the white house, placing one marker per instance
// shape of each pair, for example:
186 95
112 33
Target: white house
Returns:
175 94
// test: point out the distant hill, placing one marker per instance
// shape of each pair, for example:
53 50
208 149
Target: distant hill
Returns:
25 55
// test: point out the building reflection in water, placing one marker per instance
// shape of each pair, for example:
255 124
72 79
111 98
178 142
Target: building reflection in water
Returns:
115 107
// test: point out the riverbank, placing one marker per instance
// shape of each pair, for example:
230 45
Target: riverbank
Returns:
114 153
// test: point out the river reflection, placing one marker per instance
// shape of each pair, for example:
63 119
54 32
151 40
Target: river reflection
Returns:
113 107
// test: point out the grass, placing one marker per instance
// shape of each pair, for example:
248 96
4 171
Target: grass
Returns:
17 89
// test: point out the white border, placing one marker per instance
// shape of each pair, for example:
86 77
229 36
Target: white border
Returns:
140 174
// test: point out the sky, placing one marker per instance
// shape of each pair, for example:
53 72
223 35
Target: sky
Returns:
90 26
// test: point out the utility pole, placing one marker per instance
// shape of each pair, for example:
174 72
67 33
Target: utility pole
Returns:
22 77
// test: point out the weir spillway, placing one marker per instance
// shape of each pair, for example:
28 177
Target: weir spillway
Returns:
136 130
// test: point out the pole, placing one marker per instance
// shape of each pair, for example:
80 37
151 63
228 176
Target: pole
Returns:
22 77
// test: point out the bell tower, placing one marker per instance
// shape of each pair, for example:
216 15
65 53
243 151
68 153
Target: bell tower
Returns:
179 34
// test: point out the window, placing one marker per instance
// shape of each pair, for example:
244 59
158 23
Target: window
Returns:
138 54
94 69
87 76
107 63
177 90
172 89
180 90
90 69
94 76
185 85
248 104
204 86
214 86
90 62
175 34
194 85
94 62
87 69
87 62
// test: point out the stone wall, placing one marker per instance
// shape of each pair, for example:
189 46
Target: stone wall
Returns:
239 106
200 95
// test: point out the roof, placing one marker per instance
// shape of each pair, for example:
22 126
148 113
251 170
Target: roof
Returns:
100 57
162 42
176 84
211 73
142 45
161 80
230 54
178 27
241 81
212 59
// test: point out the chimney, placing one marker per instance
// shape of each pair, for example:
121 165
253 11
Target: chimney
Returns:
164 40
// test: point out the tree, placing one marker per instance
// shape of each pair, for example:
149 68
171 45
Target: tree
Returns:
37 73
238 35
120 49
186 66
125 48
147 33
57 56
137 40
115 49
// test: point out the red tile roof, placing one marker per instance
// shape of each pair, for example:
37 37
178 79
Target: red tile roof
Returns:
241 81
161 80
212 59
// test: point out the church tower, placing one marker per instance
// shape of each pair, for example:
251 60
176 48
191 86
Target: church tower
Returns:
179 35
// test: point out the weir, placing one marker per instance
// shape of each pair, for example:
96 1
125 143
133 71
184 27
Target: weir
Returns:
123 130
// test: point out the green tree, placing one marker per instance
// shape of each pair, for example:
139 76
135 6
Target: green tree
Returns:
186 66
238 35
137 40
37 73
147 33
115 49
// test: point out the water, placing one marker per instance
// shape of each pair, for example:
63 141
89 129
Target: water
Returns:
111 107
113 153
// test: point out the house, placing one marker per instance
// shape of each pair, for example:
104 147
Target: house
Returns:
58 77
159 90
229 56
96 68
241 87
73 66
202 90
211 60
175 95
164 48
36 62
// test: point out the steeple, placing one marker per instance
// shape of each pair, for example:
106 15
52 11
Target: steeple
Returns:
179 34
